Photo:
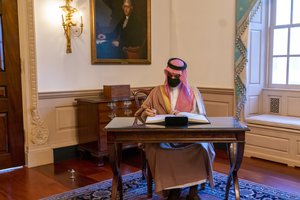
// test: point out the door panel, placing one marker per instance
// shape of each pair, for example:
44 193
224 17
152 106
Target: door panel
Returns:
11 114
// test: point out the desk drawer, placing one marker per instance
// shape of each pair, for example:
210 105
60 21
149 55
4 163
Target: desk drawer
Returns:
113 105
107 116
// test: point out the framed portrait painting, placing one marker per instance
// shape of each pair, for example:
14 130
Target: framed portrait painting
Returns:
120 32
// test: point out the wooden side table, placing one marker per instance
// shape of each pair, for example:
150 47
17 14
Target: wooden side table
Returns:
93 114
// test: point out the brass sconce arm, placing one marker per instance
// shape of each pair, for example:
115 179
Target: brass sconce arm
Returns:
70 27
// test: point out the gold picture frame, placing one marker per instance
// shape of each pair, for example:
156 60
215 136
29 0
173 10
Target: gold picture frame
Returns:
114 41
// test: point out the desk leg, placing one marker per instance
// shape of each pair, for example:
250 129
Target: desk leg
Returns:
149 181
113 152
119 156
235 154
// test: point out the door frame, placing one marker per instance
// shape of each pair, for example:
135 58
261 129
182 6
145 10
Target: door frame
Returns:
37 151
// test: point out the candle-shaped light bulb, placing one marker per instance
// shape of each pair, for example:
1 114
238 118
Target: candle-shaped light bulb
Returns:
62 18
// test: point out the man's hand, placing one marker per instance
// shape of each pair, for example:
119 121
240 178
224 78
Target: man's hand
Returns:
115 43
148 112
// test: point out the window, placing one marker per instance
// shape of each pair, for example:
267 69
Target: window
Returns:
284 44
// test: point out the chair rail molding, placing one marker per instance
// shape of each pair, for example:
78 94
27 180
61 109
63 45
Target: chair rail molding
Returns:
35 130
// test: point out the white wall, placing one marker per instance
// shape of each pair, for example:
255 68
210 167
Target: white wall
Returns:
200 31
205 39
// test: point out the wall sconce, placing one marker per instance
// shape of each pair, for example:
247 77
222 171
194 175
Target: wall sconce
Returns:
70 27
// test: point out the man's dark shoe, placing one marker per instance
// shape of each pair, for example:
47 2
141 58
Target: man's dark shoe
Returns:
174 194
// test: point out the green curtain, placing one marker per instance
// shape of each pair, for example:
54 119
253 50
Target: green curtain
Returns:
245 9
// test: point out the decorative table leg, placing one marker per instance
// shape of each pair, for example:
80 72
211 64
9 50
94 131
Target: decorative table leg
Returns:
149 181
235 154
119 156
114 163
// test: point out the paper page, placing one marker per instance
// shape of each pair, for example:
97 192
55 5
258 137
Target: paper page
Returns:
157 118
194 118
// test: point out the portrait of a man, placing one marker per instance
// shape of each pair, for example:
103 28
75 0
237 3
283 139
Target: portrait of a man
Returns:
121 30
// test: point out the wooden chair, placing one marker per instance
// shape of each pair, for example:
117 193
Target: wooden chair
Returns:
146 172
138 95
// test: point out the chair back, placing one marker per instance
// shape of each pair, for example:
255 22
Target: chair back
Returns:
140 94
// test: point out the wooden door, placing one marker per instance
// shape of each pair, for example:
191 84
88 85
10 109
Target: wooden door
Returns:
11 114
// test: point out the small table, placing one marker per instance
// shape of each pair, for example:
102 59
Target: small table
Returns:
220 130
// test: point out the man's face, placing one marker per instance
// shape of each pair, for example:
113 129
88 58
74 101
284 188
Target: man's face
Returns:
127 8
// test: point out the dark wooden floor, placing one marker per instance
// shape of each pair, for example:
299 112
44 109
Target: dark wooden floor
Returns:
38 182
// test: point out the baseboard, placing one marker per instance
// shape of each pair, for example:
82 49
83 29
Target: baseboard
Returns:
289 162
40 156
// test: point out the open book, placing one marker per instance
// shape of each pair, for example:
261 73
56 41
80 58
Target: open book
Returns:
192 118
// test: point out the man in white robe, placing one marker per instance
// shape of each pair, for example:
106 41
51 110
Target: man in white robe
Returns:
177 165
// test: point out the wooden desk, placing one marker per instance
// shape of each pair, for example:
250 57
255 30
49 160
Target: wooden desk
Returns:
221 130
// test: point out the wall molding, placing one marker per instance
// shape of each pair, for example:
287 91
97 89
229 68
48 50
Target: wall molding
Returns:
222 91
36 132
97 92
39 133
68 94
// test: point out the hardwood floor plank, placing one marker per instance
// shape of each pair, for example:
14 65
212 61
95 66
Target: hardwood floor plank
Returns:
265 172
28 184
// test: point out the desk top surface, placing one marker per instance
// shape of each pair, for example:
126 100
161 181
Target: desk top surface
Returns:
135 124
